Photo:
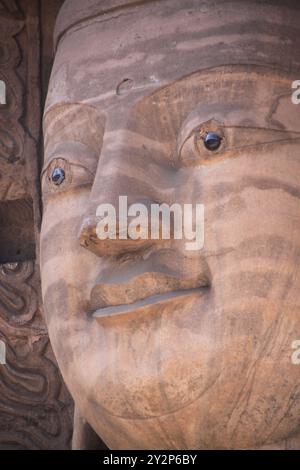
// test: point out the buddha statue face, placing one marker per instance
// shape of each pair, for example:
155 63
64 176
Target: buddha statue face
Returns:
162 347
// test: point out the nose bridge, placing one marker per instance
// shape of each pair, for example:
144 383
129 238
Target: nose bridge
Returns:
122 172
115 169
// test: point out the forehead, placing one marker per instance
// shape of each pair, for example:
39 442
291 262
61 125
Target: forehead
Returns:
149 46
256 97
235 96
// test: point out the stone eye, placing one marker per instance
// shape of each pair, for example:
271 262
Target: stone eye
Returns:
212 141
58 176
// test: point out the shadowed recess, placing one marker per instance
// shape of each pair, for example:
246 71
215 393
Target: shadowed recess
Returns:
17 239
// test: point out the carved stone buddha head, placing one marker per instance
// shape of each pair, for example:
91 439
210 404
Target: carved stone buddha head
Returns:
162 347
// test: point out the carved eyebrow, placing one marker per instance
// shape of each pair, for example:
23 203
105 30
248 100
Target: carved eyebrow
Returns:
74 152
189 92
73 125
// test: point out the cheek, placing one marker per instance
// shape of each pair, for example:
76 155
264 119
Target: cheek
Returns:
62 257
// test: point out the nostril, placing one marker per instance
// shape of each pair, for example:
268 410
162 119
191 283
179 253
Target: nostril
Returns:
87 232
110 246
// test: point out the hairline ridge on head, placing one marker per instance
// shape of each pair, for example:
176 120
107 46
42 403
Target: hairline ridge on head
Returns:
74 12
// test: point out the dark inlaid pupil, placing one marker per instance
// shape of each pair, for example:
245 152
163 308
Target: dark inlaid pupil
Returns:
212 141
58 176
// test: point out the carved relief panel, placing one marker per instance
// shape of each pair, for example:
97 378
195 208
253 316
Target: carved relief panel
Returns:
35 407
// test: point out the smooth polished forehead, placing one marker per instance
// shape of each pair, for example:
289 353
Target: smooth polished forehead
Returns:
147 45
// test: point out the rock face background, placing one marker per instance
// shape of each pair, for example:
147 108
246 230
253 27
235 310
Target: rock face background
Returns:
35 408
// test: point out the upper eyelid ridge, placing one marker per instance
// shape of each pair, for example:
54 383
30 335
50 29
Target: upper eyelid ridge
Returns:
75 150
244 127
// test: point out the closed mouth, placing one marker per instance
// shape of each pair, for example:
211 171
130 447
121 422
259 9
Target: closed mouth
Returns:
114 310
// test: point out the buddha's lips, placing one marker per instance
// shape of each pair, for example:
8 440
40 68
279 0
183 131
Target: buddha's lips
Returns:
113 310
148 287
